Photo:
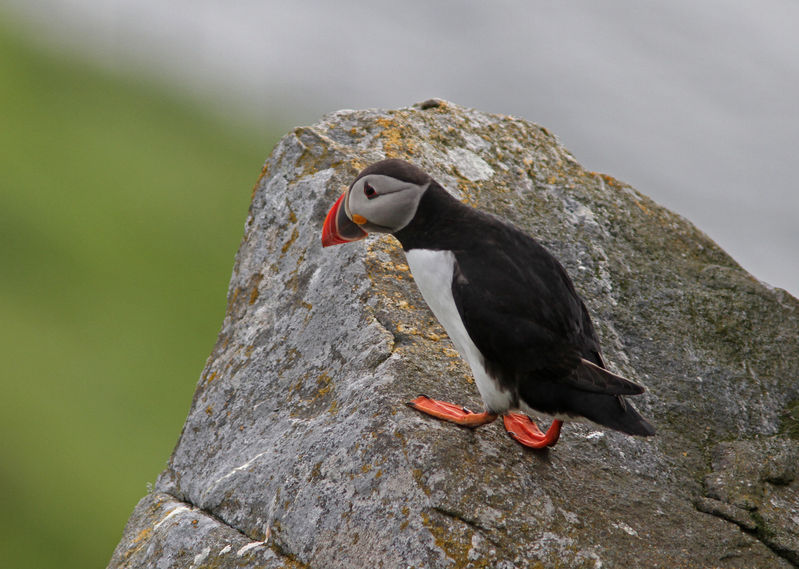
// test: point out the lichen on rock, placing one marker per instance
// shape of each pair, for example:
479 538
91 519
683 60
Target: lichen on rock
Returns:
299 441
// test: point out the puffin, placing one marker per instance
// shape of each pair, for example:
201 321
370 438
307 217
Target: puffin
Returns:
505 301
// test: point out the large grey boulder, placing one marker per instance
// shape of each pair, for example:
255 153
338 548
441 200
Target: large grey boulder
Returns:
299 450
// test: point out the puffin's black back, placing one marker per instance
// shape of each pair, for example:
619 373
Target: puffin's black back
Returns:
517 301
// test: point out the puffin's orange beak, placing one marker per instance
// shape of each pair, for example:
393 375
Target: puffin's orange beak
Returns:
338 228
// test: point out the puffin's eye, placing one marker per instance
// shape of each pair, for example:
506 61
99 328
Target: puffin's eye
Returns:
369 191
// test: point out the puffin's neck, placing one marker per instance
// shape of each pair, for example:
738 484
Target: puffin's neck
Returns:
439 223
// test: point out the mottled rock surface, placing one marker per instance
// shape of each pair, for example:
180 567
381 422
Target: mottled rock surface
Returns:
299 450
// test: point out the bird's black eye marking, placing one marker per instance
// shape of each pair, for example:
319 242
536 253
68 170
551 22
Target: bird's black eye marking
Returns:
369 191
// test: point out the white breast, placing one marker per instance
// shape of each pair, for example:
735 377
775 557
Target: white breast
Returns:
432 271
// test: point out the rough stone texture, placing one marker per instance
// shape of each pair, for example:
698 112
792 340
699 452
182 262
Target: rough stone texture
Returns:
754 484
164 532
299 450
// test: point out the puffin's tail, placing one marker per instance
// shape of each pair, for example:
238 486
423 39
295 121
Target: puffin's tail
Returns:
593 393
612 411
598 395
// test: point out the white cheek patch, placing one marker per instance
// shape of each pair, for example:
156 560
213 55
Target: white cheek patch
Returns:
404 206
393 208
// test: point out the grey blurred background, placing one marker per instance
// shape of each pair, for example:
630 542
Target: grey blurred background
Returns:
693 103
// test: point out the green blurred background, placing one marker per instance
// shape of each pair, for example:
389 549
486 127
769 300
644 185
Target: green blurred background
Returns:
121 209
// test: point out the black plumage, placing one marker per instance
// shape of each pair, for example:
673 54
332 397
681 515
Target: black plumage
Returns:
521 310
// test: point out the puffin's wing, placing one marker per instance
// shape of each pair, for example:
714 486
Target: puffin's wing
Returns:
523 314
590 377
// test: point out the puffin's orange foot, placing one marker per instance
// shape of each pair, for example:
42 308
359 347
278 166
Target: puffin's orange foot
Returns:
522 429
450 412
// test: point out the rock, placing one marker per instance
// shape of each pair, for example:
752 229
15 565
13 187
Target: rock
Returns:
167 532
299 450
754 484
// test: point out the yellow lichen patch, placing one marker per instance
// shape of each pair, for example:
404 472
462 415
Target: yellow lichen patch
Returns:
611 181
417 476
468 193
209 377
256 280
467 378
394 267
257 183
325 385
392 142
294 234
384 243
450 353
404 329
316 472
642 207
386 122
383 265
209 410
297 386
254 295
138 542
395 143
142 535
358 165
455 544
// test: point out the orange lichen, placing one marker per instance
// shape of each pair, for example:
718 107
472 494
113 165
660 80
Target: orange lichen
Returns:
395 142
294 234
257 183
142 535
256 280
642 207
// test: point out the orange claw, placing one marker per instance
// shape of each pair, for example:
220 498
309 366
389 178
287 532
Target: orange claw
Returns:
450 412
522 429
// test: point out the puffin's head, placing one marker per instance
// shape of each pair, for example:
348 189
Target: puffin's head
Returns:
382 199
